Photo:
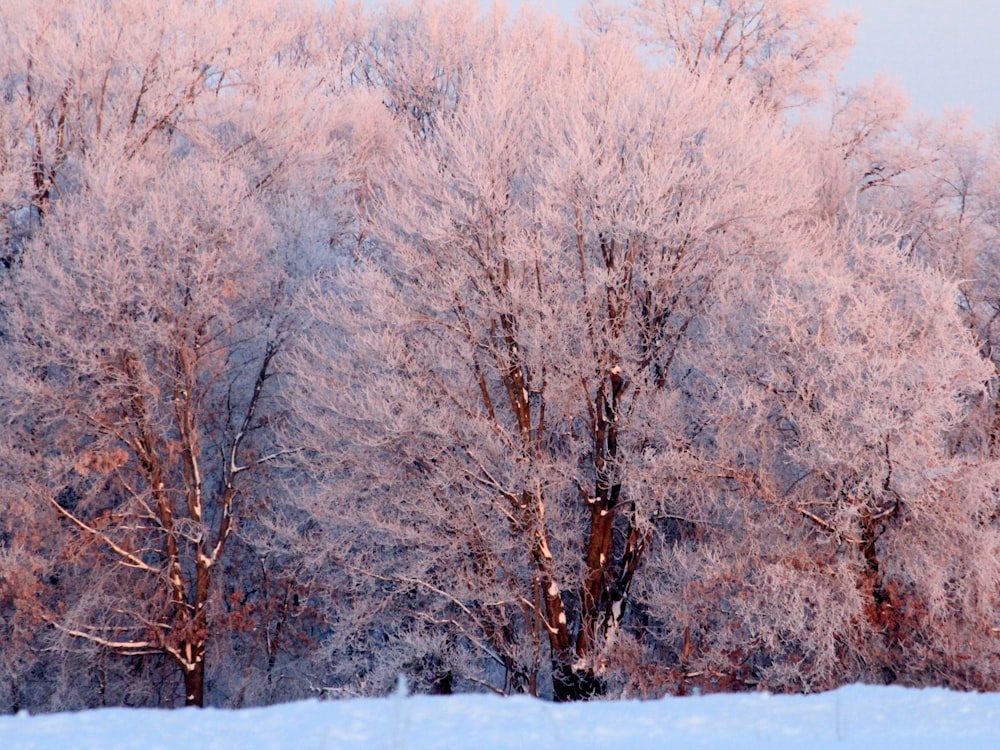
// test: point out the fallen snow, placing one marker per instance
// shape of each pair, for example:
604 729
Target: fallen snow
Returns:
852 717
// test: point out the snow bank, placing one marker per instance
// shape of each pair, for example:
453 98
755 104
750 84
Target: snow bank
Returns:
852 717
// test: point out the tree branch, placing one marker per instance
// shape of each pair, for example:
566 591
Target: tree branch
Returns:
133 561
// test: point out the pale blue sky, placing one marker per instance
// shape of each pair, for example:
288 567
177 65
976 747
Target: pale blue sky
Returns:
944 53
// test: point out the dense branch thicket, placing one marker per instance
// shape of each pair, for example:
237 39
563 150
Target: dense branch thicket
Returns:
632 357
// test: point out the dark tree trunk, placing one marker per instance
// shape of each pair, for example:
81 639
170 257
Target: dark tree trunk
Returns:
194 684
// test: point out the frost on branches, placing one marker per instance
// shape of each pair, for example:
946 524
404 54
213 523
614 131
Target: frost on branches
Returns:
501 354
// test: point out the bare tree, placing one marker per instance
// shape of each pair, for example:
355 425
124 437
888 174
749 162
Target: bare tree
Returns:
173 166
839 381
250 81
617 331
489 381
139 340
597 374
789 50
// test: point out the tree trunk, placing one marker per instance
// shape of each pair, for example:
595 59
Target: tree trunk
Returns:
872 585
596 595
194 682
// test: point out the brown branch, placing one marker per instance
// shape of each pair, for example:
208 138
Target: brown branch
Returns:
131 648
133 561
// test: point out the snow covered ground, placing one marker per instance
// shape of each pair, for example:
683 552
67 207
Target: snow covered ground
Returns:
852 717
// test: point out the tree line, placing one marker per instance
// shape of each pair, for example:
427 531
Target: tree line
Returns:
633 356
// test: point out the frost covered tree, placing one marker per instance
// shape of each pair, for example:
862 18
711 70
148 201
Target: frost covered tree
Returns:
160 160
473 347
788 50
139 334
611 384
839 382
492 380
251 82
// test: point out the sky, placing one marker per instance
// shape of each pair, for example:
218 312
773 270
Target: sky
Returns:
945 54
